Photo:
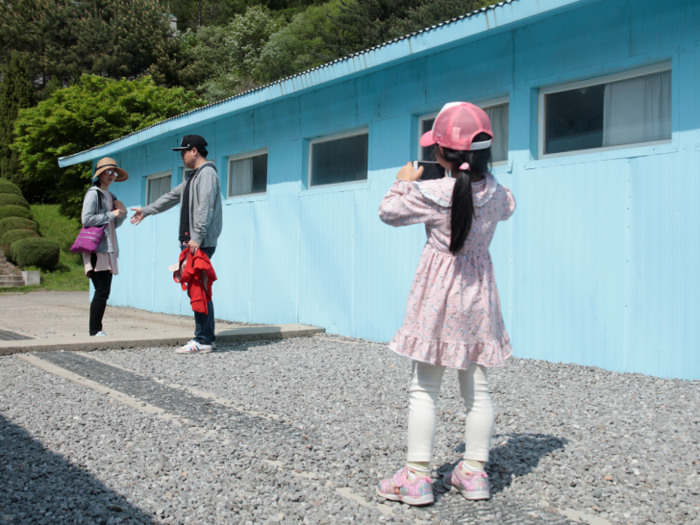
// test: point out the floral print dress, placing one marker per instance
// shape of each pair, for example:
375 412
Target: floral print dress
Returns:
453 317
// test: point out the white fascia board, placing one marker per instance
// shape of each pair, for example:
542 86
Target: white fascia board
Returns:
430 40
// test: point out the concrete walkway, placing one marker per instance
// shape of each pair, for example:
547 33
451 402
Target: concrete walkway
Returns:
46 321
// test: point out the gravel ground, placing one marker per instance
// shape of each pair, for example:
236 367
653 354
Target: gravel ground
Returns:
623 447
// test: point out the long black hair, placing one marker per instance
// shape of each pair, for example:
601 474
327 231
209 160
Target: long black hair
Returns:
462 211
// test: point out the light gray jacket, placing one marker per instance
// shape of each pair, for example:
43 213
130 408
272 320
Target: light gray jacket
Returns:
205 205
95 213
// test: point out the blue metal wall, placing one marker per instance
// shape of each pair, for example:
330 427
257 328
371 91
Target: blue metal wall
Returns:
598 266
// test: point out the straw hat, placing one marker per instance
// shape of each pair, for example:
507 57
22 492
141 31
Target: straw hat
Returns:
107 163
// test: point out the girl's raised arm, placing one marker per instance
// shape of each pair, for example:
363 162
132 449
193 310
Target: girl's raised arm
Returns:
404 204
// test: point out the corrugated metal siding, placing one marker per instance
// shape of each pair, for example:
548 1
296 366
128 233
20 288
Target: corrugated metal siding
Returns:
598 265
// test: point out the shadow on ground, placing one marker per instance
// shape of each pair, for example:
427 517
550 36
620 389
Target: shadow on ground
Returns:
38 486
244 346
519 456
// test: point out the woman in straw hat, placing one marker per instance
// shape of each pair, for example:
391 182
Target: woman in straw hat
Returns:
100 208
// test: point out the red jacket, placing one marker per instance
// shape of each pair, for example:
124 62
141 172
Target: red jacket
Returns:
196 277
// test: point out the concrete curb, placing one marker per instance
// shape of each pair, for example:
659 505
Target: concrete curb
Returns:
91 344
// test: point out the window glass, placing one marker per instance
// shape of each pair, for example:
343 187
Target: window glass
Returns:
339 160
499 125
429 152
248 175
156 187
635 110
574 119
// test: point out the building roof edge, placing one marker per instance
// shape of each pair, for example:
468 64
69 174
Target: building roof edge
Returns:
483 20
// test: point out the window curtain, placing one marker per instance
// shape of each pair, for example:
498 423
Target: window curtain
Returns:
499 126
241 181
157 188
637 110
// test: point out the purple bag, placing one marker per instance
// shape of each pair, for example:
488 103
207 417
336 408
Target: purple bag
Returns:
88 240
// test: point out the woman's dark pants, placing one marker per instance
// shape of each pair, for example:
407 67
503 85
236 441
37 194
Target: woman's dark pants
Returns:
102 281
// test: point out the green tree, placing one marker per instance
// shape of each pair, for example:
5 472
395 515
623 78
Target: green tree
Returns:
64 39
35 29
299 45
94 111
222 60
366 23
15 93
123 39
193 14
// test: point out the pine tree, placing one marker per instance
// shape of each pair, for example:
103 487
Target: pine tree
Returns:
65 39
15 93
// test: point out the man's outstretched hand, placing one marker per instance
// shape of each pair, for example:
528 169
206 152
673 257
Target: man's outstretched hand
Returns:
137 217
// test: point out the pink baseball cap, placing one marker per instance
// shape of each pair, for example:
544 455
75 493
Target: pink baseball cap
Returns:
456 126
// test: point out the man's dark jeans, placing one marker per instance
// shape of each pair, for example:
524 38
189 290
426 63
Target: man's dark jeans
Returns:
204 329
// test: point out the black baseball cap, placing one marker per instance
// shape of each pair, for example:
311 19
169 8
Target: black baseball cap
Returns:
192 141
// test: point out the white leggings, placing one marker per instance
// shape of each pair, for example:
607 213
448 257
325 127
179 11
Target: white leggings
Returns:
422 411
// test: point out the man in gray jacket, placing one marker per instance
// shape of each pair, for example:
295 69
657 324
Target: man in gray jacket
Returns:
200 223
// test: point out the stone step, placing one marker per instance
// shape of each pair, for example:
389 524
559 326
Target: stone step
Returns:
11 280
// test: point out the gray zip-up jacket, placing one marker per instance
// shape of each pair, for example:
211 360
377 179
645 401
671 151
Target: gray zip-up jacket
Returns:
95 213
205 205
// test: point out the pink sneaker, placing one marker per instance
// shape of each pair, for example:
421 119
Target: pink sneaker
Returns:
473 486
398 488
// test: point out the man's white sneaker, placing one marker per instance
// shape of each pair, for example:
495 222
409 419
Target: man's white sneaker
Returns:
193 347
101 333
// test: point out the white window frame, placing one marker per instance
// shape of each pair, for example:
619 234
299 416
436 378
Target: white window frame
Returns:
597 81
483 105
158 175
330 138
242 156
421 119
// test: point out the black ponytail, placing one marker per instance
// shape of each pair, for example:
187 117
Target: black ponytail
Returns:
462 211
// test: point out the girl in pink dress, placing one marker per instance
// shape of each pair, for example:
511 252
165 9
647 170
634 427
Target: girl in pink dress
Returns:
453 318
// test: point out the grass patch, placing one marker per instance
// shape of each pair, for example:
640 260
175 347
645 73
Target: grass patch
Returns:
55 226
69 275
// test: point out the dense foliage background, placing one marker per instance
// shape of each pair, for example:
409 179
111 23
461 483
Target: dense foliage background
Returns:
93 111
78 74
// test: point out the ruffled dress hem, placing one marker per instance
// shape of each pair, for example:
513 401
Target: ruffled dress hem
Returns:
452 354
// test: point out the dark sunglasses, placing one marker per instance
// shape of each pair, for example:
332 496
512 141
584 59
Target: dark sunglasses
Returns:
182 152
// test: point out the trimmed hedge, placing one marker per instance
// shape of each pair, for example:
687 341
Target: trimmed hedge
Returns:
12 236
7 186
11 198
17 223
35 252
12 210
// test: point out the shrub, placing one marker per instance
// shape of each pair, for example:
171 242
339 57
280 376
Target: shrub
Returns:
12 210
13 199
14 235
7 186
39 252
57 227
16 223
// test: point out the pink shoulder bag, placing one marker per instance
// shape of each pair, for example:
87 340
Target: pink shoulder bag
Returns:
89 238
